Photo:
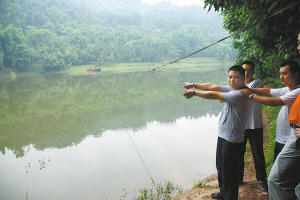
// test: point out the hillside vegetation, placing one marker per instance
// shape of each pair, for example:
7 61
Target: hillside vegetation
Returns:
51 35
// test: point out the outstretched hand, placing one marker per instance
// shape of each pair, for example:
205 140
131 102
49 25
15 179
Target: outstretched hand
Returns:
187 85
189 94
246 92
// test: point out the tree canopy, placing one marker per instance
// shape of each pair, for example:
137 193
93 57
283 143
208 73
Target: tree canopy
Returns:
52 34
269 42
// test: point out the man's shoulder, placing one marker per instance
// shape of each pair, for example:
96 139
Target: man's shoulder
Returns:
277 92
236 97
289 97
255 83
225 88
293 92
285 88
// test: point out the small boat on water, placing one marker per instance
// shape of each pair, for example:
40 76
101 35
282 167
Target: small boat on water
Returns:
93 68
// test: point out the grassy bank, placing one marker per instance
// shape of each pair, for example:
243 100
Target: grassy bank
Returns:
187 65
270 136
269 118
202 64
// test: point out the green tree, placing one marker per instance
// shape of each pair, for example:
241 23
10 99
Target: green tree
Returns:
40 37
71 57
10 38
54 62
271 38
1 59
23 55
174 53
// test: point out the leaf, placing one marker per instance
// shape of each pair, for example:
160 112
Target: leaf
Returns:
272 6
291 18
261 1
286 56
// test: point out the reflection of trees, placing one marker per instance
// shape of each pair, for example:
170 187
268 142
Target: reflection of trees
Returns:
58 111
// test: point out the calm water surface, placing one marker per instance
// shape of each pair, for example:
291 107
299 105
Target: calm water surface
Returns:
64 137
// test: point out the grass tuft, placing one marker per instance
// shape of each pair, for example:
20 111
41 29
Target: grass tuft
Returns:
200 184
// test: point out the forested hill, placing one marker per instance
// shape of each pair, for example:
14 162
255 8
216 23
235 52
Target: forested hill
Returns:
54 34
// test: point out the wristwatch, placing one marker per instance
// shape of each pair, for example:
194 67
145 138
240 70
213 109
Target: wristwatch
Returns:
250 96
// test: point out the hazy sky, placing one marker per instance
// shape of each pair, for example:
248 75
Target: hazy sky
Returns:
178 2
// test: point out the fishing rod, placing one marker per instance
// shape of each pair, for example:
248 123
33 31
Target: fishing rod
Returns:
237 32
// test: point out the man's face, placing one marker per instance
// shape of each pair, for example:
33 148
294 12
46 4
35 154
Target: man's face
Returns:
235 80
286 76
298 48
248 72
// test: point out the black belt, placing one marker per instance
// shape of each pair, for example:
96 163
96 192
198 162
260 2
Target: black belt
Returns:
294 126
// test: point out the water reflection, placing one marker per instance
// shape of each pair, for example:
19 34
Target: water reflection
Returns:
82 123
94 73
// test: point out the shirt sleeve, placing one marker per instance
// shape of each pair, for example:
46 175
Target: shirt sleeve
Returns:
260 84
279 92
226 88
257 83
234 97
290 97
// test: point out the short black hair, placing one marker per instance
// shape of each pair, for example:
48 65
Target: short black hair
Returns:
248 62
237 68
294 66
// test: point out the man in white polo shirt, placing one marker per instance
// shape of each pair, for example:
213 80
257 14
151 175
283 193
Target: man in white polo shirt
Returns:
285 174
234 116
254 132
285 97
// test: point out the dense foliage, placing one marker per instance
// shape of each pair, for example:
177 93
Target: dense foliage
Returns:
54 34
269 42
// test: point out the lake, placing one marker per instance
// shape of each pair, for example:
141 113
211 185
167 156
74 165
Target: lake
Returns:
98 136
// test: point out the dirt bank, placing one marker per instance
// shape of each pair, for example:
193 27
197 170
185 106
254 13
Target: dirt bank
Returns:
249 190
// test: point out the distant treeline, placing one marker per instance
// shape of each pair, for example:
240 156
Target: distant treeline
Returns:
51 34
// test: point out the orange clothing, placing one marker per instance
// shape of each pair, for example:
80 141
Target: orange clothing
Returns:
294 117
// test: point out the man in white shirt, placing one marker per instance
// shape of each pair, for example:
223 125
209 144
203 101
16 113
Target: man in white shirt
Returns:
285 174
285 97
254 132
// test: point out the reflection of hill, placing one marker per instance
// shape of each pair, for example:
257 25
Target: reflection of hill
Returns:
58 111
